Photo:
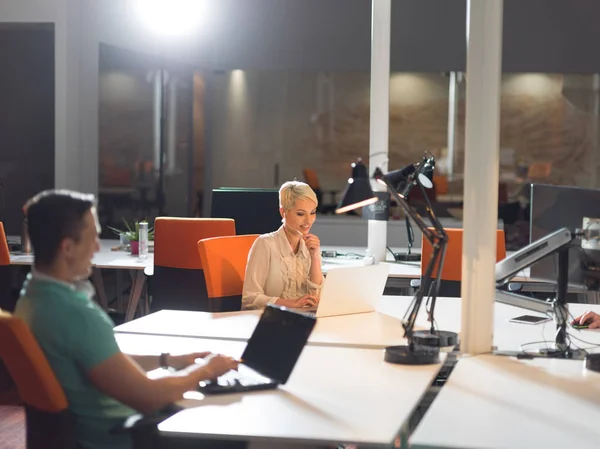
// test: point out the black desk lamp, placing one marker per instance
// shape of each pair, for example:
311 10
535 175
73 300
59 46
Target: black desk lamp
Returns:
358 192
420 350
403 180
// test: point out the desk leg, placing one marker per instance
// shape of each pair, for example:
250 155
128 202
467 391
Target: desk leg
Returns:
99 284
120 291
137 286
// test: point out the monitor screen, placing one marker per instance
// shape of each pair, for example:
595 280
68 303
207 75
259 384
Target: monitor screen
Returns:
255 211
277 342
554 207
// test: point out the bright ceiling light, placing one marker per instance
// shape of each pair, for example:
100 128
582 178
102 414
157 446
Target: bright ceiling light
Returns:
170 17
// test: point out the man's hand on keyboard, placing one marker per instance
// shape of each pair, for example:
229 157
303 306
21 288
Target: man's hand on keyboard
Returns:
219 364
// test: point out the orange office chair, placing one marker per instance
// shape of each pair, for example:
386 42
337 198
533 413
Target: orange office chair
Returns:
440 184
452 270
178 280
311 178
7 302
4 253
48 419
224 261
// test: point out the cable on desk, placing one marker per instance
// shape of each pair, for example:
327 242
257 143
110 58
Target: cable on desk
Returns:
391 252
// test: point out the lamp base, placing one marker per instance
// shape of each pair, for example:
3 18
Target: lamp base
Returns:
570 353
406 355
437 339
403 257
592 362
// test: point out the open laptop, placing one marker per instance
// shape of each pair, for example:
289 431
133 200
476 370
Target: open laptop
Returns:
270 355
349 290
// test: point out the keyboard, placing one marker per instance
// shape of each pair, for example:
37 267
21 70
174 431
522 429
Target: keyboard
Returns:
244 379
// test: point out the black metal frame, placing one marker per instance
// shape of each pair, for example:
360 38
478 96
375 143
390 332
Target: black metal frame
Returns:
438 239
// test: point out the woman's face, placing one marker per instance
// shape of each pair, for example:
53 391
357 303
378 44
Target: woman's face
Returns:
300 217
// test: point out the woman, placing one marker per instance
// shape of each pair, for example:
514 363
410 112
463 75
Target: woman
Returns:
284 267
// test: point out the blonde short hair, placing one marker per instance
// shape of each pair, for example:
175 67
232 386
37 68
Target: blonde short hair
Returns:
292 191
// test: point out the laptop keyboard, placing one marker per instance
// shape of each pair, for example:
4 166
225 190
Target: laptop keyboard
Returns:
235 381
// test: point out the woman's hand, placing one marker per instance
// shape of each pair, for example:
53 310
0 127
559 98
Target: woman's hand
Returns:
184 360
591 318
313 244
304 301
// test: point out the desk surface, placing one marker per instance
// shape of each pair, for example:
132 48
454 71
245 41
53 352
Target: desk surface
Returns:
364 330
105 258
334 395
494 402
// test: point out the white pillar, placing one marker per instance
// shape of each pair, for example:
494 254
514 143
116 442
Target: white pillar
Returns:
157 115
76 96
380 112
452 114
484 68
172 125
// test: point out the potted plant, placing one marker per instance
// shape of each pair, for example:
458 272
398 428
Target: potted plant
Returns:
131 235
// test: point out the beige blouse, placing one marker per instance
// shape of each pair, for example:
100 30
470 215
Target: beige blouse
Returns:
274 271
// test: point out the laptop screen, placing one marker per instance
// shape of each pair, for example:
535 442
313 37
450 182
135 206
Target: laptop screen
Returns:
277 342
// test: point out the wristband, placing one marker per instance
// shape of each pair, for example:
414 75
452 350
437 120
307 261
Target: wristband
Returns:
163 360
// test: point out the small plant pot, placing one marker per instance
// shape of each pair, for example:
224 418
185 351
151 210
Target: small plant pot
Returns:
135 248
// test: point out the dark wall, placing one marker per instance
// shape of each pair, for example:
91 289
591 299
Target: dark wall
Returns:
26 117
547 36
551 36
426 35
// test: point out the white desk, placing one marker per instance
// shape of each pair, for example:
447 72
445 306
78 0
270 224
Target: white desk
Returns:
495 402
333 396
107 258
365 330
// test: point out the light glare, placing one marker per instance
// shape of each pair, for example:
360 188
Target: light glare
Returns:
172 17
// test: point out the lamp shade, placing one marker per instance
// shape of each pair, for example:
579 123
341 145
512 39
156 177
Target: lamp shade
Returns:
358 192
399 178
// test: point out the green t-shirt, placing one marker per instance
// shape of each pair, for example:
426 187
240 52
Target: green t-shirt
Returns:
76 335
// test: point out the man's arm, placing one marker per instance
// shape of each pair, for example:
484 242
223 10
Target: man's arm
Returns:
122 379
152 362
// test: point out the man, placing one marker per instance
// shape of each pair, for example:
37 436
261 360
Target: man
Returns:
103 385
590 319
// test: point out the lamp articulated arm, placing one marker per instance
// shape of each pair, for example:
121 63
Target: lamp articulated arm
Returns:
438 238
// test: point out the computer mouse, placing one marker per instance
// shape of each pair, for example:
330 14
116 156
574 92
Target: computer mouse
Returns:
592 362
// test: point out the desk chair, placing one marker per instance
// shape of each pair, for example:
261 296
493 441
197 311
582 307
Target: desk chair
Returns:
450 283
48 419
7 302
178 281
224 261
440 184
311 178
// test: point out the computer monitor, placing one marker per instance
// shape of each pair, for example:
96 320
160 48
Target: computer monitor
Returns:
255 211
555 207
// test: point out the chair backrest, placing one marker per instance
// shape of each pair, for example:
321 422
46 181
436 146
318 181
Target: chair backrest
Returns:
4 253
539 170
452 269
440 184
311 178
224 261
27 365
178 281
176 239
49 420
